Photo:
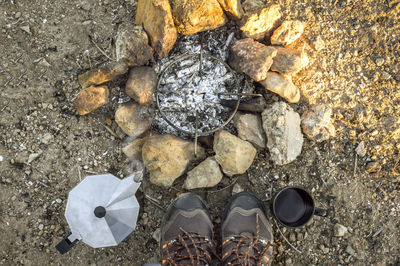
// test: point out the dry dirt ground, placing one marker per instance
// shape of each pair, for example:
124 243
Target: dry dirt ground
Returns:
355 67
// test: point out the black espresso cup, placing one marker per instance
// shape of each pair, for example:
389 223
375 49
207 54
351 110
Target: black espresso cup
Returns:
294 207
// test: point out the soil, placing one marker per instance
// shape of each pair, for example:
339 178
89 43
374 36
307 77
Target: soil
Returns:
354 66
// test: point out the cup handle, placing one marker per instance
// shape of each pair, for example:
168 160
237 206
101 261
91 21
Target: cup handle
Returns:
66 244
320 212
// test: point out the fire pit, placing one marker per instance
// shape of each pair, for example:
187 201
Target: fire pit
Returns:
193 82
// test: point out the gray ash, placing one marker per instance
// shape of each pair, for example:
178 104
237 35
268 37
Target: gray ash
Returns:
189 88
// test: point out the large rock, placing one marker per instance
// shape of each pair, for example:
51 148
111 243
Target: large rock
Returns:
90 99
249 128
282 127
141 84
317 124
251 58
108 71
259 18
166 158
134 119
288 61
233 154
206 174
281 85
191 16
288 32
132 45
156 18
233 8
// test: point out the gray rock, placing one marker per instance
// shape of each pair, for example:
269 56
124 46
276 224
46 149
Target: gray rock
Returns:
288 60
249 128
141 84
360 150
339 230
47 138
350 250
281 85
317 124
134 119
252 58
236 189
33 156
233 154
282 127
166 158
206 174
132 45
157 235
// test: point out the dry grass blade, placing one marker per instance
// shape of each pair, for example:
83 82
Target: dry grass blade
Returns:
101 50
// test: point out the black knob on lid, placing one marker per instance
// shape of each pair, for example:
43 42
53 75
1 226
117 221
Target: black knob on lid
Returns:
100 212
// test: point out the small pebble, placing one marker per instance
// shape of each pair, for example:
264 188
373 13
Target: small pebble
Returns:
1 158
58 200
157 235
360 150
339 230
17 15
379 61
41 226
350 250
85 167
385 75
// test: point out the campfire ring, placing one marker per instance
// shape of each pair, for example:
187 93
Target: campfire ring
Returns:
196 132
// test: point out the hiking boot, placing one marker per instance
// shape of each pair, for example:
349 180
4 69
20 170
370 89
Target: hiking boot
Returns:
187 232
246 233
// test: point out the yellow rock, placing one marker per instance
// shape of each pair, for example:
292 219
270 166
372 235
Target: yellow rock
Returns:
104 73
287 33
134 119
259 18
282 86
166 158
90 99
191 16
156 18
134 149
232 7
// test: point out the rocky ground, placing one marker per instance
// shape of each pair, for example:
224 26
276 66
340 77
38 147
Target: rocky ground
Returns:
46 149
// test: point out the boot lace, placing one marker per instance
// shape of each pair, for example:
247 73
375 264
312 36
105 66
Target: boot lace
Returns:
247 249
188 249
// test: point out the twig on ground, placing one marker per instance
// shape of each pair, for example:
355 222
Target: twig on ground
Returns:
79 174
101 50
111 131
8 81
41 75
287 241
355 166
43 184
378 232
91 172
231 184
153 200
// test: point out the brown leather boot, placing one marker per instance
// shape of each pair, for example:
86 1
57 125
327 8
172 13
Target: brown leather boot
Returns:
187 232
246 233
